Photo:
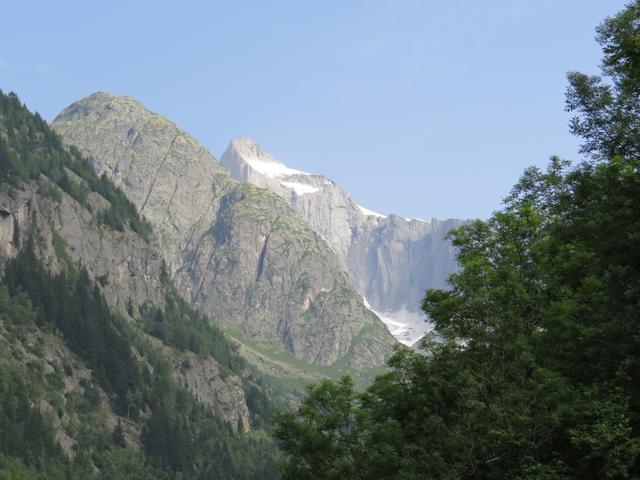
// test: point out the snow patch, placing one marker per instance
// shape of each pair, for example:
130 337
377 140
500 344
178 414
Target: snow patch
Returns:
300 188
370 213
408 327
273 169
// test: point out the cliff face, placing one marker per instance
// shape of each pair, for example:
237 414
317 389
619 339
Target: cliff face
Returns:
237 251
391 260
127 269
127 266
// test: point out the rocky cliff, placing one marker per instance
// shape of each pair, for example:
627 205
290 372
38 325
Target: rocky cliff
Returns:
237 251
391 260
105 370
126 267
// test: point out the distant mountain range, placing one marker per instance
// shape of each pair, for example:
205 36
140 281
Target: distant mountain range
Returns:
391 260
236 251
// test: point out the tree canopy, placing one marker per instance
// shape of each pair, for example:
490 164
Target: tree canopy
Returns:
539 373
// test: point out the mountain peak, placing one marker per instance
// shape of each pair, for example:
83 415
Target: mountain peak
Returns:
391 260
103 96
237 253
103 103
247 153
249 150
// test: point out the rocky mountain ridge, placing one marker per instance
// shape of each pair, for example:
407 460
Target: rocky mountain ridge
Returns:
391 260
238 252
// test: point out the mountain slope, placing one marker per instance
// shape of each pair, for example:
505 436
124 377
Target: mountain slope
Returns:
238 252
391 260
104 370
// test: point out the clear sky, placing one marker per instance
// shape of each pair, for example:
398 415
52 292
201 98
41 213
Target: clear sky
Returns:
422 108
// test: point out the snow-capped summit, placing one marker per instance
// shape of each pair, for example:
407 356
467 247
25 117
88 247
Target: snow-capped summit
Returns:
261 161
370 213
391 260
325 205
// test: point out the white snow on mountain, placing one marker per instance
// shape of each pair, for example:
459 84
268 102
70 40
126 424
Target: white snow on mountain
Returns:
408 327
391 260
300 188
273 169
370 213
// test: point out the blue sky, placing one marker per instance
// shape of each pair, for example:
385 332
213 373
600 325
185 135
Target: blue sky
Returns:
422 108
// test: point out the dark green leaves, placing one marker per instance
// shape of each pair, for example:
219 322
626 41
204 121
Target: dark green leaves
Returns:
539 373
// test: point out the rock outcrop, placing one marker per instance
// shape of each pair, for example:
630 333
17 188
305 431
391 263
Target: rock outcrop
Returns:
237 251
128 271
391 260
208 381
127 267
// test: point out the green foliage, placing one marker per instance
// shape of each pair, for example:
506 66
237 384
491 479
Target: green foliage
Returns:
15 310
122 463
16 233
24 431
539 373
184 436
118 435
60 247
324 436
121 211
183 327
29 149
180 436
13 469
607 108
164 273
70 302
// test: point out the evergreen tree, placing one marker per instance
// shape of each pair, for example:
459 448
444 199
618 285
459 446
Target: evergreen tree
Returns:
118 435
16 233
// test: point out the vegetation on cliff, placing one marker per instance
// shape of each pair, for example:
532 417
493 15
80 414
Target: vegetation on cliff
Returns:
84 393
29 149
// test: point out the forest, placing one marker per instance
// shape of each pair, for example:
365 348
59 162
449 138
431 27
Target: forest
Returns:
179 436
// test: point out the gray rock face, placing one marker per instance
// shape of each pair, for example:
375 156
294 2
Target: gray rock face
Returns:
210 384
391 260
237 251
129 268
129 273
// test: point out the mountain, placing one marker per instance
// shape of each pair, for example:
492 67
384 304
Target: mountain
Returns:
391 260
105 371
237 252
